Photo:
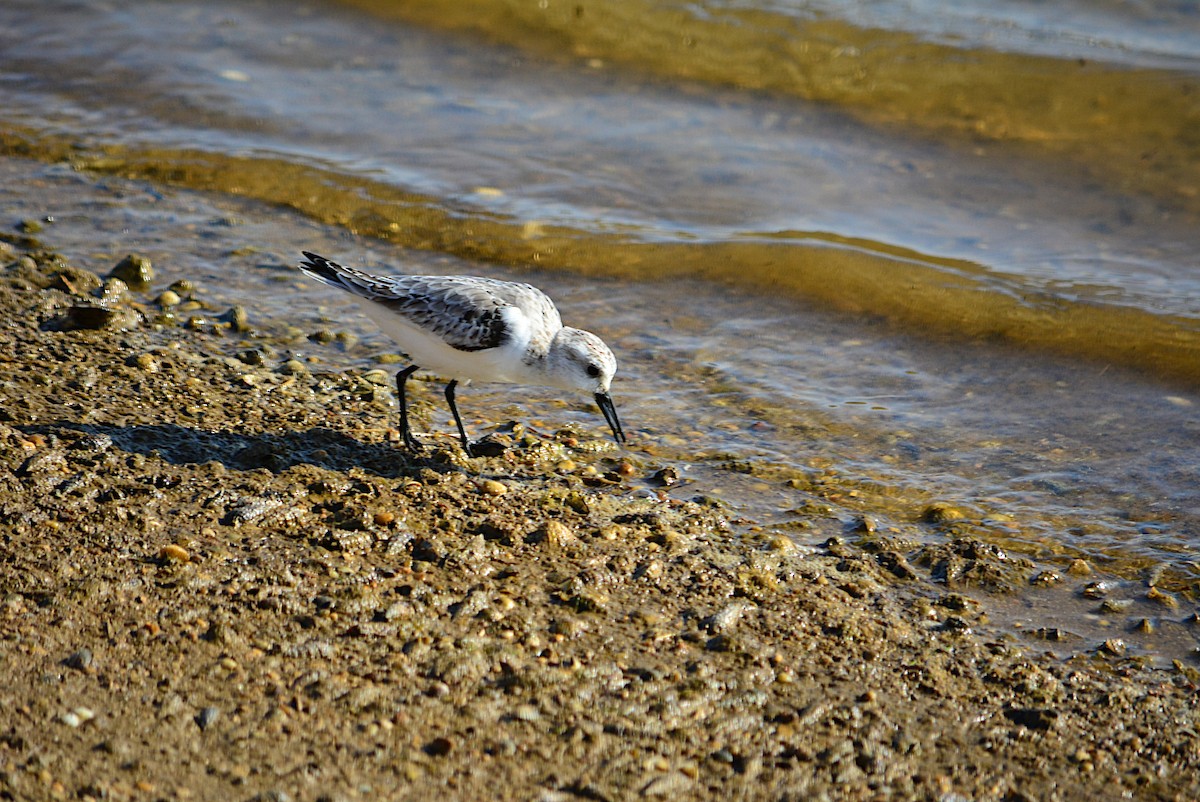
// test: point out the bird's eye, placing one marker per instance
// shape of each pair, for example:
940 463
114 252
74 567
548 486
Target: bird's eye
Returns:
593 370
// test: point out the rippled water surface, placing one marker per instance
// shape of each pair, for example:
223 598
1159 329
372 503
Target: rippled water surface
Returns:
945 256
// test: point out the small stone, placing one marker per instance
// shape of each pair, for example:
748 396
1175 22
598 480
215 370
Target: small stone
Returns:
237 319
1032 718
1113 646
556 534
168 299
134 271
112 291
1116 605
253 357
940 512
293 367
77 717
864 523
384 518
1097 590
527 713
1046 578
781 544
1079 568
322 336
1162 597
174 553
80 660
1050 634
726 619
439 747
666 476
669 785
493 488
88 317
207 717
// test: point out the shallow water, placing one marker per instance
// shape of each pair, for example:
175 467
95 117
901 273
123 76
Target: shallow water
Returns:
798 281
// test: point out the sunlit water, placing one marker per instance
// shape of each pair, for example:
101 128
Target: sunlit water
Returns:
1071 453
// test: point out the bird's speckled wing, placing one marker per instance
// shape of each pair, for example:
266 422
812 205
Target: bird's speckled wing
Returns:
464 312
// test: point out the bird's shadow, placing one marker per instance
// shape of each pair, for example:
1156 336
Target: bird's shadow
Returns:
319 446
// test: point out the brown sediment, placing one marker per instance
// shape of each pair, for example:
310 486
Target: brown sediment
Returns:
221 580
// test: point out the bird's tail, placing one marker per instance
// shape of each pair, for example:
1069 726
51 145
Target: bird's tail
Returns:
335 275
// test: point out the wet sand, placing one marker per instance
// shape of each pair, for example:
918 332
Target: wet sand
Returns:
223 579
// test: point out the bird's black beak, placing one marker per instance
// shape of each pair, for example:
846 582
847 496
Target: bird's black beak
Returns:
605 402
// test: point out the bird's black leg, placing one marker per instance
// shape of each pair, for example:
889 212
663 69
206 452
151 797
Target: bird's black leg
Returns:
462 432
410 442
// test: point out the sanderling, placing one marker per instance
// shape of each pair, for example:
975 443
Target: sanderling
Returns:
466 328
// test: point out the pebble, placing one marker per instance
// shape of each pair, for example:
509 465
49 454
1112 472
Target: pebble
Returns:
781 544
237 318
557 534
92 318
135 271
493 488
253 357
79 660
1162 597
864 523
1097 590
207 717
670 785
1079 568
77 717
113 291
666 476
322 336
527 713
940 512
439 747
174 553
168 299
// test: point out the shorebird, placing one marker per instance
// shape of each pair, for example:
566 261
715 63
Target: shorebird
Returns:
476 329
